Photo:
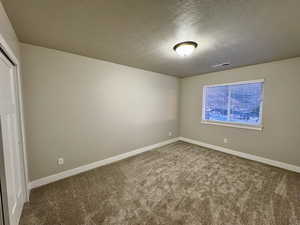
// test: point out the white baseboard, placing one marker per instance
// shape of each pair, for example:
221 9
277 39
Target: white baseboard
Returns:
81 169
244 155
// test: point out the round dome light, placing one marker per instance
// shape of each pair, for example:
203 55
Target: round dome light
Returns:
185 48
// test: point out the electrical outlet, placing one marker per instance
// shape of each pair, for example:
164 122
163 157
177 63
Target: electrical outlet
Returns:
60 161
225 140
170 134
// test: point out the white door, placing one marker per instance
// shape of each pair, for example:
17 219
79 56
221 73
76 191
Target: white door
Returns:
11 141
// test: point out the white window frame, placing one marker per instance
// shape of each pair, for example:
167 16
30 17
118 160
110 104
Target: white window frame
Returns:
234 124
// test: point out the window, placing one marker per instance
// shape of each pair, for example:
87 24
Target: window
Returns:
234 104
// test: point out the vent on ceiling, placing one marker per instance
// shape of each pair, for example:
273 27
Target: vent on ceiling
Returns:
225 64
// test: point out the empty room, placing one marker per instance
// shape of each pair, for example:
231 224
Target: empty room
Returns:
139 112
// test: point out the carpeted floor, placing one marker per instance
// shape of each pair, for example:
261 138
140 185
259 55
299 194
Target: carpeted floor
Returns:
173 185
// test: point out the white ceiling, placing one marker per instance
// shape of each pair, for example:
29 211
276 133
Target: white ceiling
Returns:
142 33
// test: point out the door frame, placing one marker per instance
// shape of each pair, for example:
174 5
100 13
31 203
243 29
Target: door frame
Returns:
1 211
3 197
20 110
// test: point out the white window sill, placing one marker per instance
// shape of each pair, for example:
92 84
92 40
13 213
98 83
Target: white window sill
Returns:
242 126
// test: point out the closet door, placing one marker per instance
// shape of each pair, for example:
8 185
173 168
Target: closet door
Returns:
11 150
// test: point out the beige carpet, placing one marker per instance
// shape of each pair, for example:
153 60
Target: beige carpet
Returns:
176 184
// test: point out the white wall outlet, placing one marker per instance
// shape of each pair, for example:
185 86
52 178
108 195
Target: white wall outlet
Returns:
60 161
225 140
170 134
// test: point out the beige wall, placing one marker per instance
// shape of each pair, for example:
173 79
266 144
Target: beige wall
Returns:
8 33
280 138
86 110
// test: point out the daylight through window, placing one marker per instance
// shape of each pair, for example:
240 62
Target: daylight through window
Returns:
237 103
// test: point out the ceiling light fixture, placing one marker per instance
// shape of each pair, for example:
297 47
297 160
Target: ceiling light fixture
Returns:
185 48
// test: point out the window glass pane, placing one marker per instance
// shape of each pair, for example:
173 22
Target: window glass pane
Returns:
216 103
245 100
234 103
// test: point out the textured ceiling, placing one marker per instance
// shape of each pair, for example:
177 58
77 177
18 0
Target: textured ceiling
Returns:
142 33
